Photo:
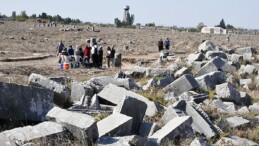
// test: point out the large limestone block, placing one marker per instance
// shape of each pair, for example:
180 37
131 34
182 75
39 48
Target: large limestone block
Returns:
61 93
115 124
237 121
122 141
235 140
148 128
153 72
206 46
82 126
134 108
80 89
115 95
211 54
228 92
18 102
46 132
177 127
216 64
182 84
247 53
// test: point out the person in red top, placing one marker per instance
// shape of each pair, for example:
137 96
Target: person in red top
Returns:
87 54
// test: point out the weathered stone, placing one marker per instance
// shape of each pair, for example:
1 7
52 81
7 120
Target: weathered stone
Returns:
178 127
199 142
169 96
80 89
61 93
245 98
115 95
243 82
147 129
173 67
122 141
82 126
150 83
236 58
201 122
161 83
243 110
61 80
216 64
181 72
235 140
153 72
247 53
137 113
250 69
206 46
182 84
195 57
46 132
210 80
211 54
254 108
193 96
115 124
237 121
26 103
228 92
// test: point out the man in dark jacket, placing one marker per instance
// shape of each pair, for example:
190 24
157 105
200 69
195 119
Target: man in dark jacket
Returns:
160 45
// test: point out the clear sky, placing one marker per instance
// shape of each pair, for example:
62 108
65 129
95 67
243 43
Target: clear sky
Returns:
186 13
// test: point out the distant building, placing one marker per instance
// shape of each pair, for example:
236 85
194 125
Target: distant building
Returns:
126 14
213 30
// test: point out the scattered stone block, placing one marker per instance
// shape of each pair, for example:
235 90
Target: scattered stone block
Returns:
148 128
254 108
46 132
115 124
237 121
137 113
61 80
199 142
182 84
181 72
153 72
178 127
161 83
209 81
82 126
193 96
216 64
150 83
250 69
247 53
243 110
228 92
24 103
195 57
236 58
206 46
114 95
245 98
211 54
122 141
80 89
61 93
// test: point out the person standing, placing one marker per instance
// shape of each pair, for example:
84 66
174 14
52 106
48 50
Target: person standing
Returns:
160 45
100 56
94 56
112 55
167 44
87 54
108 56
70 51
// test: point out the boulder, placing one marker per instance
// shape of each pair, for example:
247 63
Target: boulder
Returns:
211 54
82 126
206 46
181 72
46 132
236 58
235 140
195 57
115 124
193 96
161 83
122 141
153 72
114 95
250 69
216 64
24 103
137 113
148 128
247 53
246 82
61 93
245 98
150 83
179 127
243 110
173 67
80 89
228 92
210 80
254 108
237 121
61 80
182 84
199 142
89 102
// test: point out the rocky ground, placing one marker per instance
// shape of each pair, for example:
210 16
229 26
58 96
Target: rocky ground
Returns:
205 93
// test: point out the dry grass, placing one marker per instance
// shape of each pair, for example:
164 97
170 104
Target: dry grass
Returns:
155 95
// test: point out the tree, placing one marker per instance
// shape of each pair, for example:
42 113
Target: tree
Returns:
132 17
117 22
222 24
13 15
200 26
24 15
67 20
230 27
33 16
43 15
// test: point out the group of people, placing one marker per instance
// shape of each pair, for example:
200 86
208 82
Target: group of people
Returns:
90 56
162 43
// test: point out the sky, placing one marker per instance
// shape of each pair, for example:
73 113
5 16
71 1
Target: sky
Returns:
181 13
